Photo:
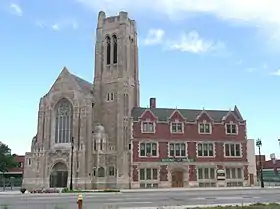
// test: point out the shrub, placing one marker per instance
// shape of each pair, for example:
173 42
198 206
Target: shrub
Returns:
22 190
65 190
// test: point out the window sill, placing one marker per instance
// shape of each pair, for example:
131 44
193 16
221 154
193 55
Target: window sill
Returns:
203 133
205 156
182 156
233 134
143 132
177 132
207 180
232 156
148 156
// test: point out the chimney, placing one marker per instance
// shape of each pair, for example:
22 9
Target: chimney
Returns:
152 102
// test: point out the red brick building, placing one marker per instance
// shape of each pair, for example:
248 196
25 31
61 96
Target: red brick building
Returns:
20 165
188 148
14 175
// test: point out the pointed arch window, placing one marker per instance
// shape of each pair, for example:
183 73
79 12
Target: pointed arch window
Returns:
64 121
101 172
115 49
108 50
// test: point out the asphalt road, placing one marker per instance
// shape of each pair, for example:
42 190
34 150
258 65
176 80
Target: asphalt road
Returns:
139 199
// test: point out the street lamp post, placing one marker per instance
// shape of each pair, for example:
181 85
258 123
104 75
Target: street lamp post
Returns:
71 163
259 144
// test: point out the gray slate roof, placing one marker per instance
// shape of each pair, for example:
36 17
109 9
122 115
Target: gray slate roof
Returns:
190 114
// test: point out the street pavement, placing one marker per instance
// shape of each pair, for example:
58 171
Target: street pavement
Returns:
146 199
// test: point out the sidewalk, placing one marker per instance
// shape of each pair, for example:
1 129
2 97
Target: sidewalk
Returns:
197 189
9 192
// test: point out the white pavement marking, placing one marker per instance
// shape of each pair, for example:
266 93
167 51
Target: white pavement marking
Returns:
192 206
236 198
223 198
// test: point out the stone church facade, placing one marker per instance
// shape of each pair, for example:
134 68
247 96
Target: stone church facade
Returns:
94 118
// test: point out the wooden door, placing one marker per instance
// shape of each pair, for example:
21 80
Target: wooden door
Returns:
177 179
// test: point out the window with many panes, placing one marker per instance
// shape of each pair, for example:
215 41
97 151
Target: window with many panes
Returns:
234 173
231 128
177 127
148 127
232 150
206 173
148 185
148 174
148 149
204 128
177 149
205 149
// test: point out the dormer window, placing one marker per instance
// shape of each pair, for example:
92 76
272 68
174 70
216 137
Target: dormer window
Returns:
231 128
177 127
204 128
148 127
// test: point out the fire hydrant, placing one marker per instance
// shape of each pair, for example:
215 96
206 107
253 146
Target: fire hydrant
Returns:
80 201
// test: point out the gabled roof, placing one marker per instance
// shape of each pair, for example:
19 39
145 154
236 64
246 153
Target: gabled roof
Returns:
190 114
84 85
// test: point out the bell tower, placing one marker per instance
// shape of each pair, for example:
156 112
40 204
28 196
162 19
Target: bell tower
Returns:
116 83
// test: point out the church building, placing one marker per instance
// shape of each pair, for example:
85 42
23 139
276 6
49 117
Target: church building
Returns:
97 134
91 117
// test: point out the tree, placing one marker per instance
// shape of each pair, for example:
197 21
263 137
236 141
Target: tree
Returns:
7 160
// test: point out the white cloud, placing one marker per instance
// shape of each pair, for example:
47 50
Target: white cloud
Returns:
262 14
154 37
55 27
58 25
16 9
276 73
193 43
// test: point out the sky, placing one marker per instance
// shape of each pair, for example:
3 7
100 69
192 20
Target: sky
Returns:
210 54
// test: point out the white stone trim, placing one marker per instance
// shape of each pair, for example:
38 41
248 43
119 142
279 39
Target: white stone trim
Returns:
206 142
184 164
147 110
176 110
231 123
148 132
235 143
148 141
206 166
176 122
204 123
177 142
152 180
235 179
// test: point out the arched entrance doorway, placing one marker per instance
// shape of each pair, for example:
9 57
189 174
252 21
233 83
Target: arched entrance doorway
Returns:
59 176
177 178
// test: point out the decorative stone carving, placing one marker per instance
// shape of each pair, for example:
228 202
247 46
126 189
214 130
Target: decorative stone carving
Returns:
99 134
58 155
34 144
